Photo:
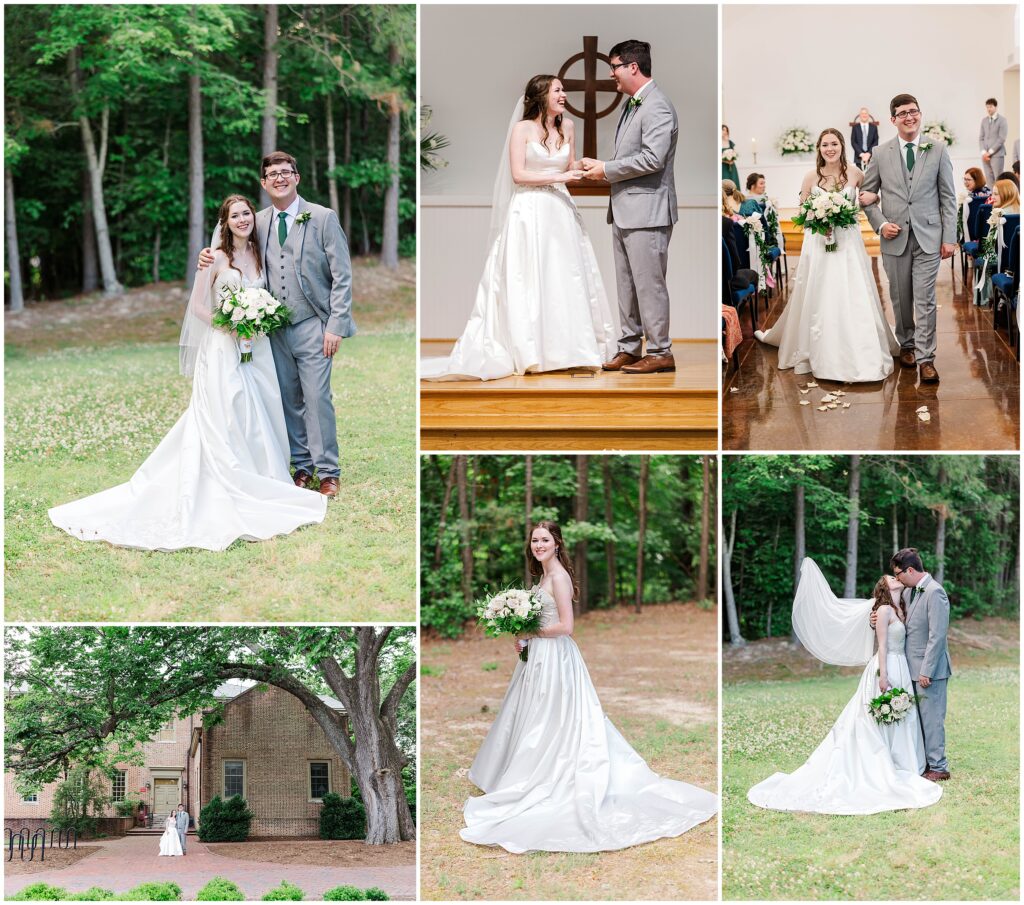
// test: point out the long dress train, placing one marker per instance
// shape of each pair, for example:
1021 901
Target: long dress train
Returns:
559 777
170 843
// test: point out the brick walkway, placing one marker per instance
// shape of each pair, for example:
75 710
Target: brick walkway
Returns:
126 862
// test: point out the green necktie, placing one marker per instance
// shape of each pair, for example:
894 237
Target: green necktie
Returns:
910 157
282 227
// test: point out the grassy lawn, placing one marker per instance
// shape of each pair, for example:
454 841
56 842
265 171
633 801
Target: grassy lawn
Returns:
656 677
964 847
83 418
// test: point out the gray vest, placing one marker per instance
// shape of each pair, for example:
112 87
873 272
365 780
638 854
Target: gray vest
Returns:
282 280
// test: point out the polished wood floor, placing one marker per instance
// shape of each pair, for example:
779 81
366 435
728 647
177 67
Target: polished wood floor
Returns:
976 406
576 411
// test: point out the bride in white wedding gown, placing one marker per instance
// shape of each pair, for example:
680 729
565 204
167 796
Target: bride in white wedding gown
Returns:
540 304
170 842
221 473
833 325
861 766
557 775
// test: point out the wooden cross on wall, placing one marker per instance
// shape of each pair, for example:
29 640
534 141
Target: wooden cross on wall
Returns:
591 86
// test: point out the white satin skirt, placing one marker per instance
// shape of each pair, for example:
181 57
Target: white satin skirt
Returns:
540 304
860 767
833 325
559 777
219 475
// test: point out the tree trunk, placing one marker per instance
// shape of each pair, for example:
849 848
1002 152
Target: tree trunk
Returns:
800 542
705 530
850 585
895 528
13 255
94 160
159 223
464 532
449 484
196 189
389 239
313 168
645 466
90 262
609 545
941 511
346 158
268 135
528 505
731 614
582 603
332 161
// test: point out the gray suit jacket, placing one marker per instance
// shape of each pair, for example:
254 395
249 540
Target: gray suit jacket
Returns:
181 821
926 203
323 269
642 173
927 624
992 135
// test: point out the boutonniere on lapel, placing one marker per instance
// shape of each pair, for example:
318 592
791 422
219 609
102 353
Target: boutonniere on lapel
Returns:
304 217
635 102
927 146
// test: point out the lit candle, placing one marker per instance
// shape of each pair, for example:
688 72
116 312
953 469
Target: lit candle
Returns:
753 145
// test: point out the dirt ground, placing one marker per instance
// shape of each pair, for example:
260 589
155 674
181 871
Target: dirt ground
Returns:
382 300
972 642
321 852
656 677
56 859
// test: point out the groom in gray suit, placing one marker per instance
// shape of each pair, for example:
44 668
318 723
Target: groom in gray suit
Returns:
927 609
642 210
916 220
181 820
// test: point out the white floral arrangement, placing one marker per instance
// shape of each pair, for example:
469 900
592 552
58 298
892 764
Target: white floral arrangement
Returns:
729 155
511 612
938 131
249 313
892 706
796 140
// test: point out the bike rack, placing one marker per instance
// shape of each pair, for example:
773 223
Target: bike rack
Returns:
41 835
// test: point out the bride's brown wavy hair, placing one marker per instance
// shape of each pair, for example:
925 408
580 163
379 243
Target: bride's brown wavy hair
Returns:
884 598
226 245
535 106
820 161
532 563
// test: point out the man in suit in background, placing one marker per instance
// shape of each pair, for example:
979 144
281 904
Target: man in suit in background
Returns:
863 138
992 140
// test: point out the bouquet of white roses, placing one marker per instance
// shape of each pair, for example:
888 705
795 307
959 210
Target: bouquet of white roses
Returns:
892 706
249 313
729 155
795 141
512 612
824 212
939 131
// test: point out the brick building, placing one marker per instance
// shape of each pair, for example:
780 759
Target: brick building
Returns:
267 748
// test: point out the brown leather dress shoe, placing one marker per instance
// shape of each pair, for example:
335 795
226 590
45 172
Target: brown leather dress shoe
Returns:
302 478
928 373
651 364
907 359
936 775
622 358
329 487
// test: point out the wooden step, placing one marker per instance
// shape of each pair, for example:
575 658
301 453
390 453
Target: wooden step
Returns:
793 235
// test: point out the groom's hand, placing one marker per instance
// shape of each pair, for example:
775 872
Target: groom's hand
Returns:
331 343
594 169
947 250
924 681
889 231
205 258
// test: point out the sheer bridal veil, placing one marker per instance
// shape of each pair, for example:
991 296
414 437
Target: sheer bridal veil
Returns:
835 630
504 187
196 325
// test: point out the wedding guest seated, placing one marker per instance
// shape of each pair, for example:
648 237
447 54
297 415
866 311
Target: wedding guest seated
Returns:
1006 197
732 198
1013 177
755 195
742 276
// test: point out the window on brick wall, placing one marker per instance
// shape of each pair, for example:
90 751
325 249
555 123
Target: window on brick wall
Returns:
166 734
30 799
319 779
234 778
117 792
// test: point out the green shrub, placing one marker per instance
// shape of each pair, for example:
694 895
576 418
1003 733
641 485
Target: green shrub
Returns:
93 894
355 894
225 821
377 895
286 892
127 808
39 892
342 818
220 890
153 892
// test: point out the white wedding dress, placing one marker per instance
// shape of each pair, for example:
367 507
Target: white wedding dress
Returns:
220 474
559 777
833 325
170 842
540 304
860 767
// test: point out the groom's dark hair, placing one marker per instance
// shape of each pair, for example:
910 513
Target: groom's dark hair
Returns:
900 100
907 558
992 101
277 157
634 51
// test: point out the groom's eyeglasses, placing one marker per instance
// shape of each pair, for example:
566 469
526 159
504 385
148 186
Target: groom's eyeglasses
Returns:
903 114
279 174
614 66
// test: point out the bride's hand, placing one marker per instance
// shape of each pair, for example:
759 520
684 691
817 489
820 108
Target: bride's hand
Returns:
883 684
572 175
521 645
867 198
